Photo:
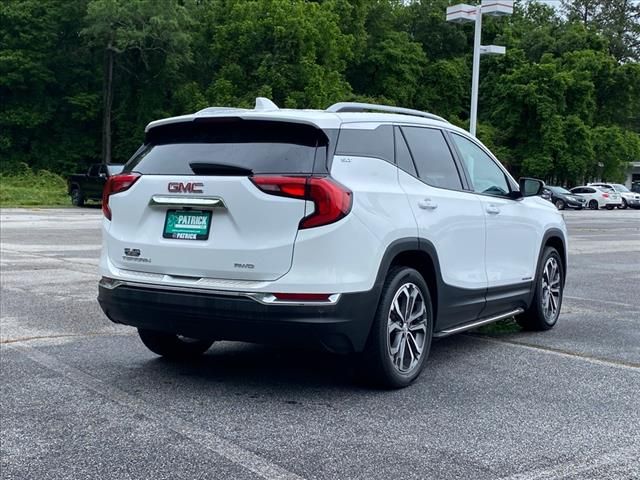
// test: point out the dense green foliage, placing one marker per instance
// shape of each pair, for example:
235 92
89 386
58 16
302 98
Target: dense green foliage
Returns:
77 76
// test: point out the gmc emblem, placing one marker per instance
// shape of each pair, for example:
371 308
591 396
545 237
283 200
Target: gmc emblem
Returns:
189 187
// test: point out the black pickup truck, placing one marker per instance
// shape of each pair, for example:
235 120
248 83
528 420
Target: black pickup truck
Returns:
88 186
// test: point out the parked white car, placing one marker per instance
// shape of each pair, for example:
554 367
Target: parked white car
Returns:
629 198
598 197
361 228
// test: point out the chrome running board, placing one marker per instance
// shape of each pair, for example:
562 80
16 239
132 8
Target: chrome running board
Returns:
477 323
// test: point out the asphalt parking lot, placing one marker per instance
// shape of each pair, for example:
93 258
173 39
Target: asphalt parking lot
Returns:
82 398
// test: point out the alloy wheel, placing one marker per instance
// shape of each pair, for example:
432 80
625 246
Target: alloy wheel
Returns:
407 328
551 290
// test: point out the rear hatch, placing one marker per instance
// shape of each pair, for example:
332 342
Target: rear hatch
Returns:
196 209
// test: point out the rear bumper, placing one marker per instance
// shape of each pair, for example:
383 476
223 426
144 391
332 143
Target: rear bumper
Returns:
343 327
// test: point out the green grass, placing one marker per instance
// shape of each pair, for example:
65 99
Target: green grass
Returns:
33 189
508 325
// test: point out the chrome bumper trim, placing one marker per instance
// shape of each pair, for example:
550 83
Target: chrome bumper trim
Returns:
175 201
260 297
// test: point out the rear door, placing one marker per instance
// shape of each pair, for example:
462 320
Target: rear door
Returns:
449 217
195 211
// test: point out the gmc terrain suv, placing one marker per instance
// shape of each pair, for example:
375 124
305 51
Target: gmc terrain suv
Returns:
363 228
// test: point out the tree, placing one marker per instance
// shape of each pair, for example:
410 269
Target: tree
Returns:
585 11
149 31
617 20
73 75
47 85
290 50
614 148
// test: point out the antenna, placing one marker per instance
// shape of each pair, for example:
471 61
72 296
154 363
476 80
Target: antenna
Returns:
265 105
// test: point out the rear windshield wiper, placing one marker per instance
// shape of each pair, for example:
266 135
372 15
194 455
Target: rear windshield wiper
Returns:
219 169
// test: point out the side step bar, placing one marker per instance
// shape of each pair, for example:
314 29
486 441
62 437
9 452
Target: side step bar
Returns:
477 323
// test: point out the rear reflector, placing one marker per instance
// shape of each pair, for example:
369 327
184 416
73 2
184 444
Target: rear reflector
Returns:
332 201
116 184
302 297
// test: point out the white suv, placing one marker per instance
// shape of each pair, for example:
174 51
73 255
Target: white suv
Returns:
362 228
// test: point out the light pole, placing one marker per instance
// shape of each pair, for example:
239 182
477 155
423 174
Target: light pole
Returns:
468 13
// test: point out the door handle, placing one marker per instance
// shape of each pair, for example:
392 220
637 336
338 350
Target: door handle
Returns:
493 209
427 204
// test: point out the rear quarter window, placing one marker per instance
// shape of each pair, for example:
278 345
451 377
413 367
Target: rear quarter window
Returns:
376 142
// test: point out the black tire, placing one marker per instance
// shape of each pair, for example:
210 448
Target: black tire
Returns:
560 205
624 205
537 317
378 366
609 207
593 204
77 197
173 346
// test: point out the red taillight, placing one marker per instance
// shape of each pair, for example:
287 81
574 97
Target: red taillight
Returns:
605 195
282 186
332 200
302 297
115 184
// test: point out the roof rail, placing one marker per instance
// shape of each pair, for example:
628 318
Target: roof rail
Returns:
363 107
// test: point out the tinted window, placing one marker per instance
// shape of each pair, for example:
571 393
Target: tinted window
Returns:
486 177
377 143
403 156
228 147
432 157
93 170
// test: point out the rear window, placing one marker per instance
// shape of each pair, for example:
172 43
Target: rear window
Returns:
230 147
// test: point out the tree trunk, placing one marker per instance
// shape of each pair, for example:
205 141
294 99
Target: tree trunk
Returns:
107 104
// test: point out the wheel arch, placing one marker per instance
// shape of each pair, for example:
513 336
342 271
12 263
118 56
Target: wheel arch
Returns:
555 238
415 253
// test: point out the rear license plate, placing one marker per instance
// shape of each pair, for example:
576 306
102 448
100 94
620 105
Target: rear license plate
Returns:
187 225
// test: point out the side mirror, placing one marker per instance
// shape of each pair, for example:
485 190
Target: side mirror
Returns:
531 187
